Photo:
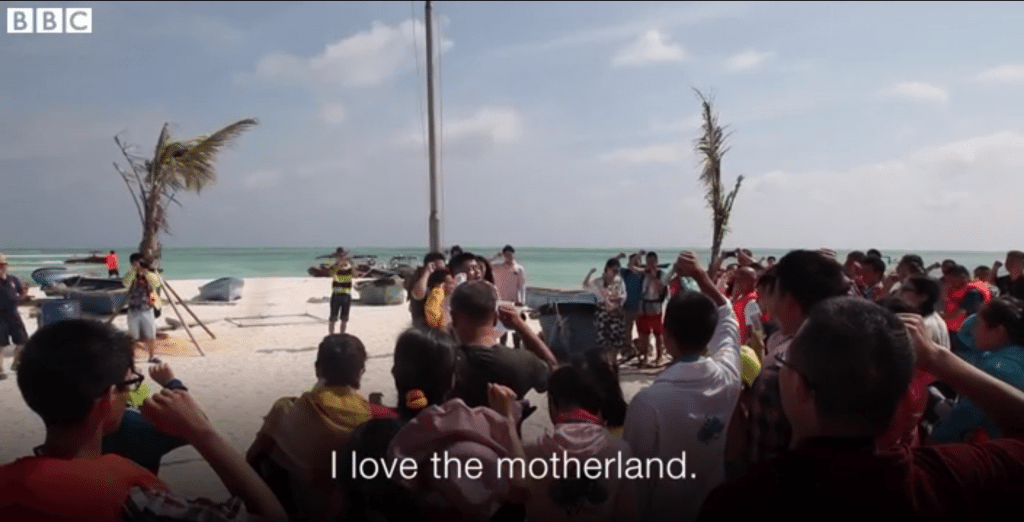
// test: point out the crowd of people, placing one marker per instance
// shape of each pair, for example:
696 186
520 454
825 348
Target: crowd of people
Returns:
802 386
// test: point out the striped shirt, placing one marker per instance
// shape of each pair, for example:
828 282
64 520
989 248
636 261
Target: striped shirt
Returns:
342 283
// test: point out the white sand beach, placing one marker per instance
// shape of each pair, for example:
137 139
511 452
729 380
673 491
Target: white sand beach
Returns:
246 368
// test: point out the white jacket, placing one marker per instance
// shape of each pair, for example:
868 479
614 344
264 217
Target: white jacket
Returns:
686 411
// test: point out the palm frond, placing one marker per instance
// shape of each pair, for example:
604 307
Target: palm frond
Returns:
189 164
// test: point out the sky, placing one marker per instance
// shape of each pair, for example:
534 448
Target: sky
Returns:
855 125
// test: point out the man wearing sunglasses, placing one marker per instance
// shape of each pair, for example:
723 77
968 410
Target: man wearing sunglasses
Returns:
77 375
842 380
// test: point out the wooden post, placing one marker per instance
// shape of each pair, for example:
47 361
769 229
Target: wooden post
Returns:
187 309
185 324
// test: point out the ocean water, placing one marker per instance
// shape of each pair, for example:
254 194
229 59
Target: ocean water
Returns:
545 267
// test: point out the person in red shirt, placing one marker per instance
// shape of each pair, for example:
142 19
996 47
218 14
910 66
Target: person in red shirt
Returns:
77 376
843 377
112 270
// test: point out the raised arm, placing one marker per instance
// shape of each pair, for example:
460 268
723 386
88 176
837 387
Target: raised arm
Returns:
1001 402
510 316
586 280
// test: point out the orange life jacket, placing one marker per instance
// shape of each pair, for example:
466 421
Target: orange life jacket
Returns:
740 307
957 296
111 261
47 489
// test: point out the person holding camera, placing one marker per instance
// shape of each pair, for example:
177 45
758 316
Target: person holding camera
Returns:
144 287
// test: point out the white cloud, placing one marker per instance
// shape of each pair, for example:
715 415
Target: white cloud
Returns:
496 124
365 59
917 192
673 16
651 47
920 91
749 60
487 126
671 153
333 113
1003 73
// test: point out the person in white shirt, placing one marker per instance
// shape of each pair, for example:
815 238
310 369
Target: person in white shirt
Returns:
687 410
510 278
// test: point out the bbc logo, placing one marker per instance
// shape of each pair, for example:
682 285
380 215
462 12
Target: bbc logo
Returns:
53 20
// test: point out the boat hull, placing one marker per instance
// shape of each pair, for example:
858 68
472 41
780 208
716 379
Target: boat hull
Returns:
223 289
382 292
100 302
50 276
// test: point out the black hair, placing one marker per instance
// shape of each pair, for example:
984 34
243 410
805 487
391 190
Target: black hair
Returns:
431 257
767 279
856 255
912 259
809 277
690 320
1015 254
771 258
858 358
898 305
455 265
612 263
424 360
475 300
137 256
485 265
982 268
875 264
341 359
613 408
65 366
370 440
112 252
873 252
1006 311
571 386
436 278
928 287
455 250
509 249
960 270
651 255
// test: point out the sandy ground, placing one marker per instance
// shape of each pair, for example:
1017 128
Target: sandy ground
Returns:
247 367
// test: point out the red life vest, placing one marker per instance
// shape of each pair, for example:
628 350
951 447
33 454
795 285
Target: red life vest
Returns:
47 489
739 307
957 296
111 261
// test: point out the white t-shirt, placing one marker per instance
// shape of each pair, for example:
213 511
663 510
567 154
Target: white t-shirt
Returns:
687 410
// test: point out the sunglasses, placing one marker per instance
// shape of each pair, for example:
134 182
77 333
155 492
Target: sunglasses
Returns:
784 362
133 384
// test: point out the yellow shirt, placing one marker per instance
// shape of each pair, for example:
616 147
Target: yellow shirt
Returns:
433 308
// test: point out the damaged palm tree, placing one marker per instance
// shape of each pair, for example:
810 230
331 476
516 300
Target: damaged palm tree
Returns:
711 147
176 166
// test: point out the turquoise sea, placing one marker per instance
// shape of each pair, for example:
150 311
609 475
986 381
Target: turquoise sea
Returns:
545 267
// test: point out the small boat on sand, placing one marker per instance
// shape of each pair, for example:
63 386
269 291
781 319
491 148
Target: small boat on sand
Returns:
381 291
51 275
223 289
94 258
97 296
